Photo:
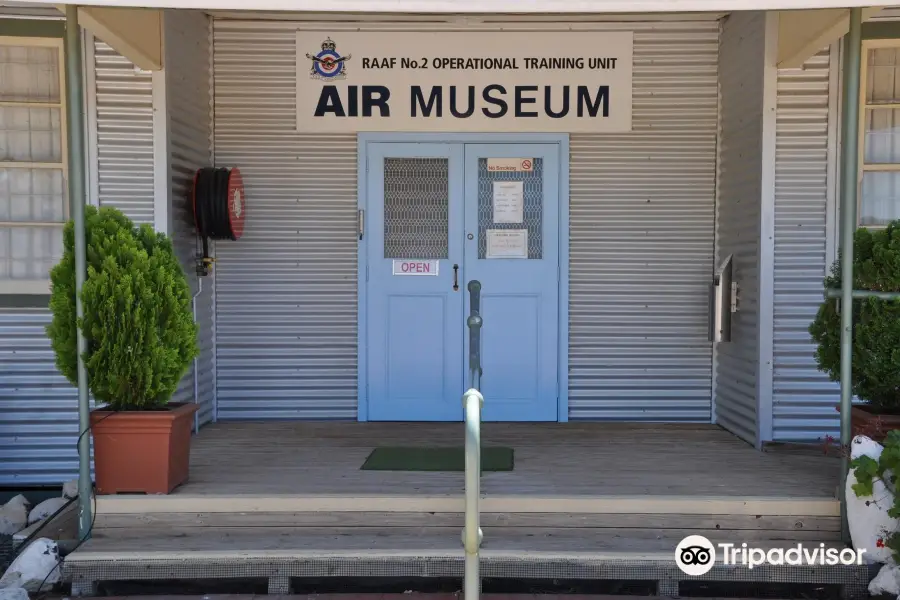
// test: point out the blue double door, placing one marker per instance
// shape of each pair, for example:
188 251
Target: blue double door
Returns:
439 216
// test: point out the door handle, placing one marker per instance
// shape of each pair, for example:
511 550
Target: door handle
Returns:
455 278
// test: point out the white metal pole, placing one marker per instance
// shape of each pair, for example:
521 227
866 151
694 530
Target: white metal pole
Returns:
75 122
849 183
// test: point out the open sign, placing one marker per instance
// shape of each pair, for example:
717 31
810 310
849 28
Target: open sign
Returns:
416 267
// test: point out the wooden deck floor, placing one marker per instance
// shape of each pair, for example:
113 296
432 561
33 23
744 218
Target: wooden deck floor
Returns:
284 500
559 459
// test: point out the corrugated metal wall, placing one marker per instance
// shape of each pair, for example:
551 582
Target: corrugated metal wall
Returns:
642 239
39 428
641 247
124 134
642 210
39 408
889 13
29 9
286 320
741 75
804 398
188 107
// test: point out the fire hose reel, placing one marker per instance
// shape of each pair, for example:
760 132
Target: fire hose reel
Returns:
219 207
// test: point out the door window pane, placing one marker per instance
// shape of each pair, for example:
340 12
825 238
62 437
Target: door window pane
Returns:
416 213
532 199
880 202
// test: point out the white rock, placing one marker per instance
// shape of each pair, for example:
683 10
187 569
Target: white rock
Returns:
886 582
14 515
13 593
70 489
38 564
867 516
45 509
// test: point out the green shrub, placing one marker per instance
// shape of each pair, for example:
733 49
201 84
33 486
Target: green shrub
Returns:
876 323
138 324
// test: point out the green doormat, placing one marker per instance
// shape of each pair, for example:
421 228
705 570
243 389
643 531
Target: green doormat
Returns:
430 458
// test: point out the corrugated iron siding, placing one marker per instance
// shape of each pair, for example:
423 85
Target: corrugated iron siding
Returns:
124 134
641 249
39 408
39 424
286 324
889 13
29 9
642 215
804 398
741 69
188 107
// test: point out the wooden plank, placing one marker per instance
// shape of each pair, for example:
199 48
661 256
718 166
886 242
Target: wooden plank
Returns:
444 519
242 542
739 536
569 459
183 503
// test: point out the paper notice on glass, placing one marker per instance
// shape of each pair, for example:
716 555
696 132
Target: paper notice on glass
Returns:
509 202
507 243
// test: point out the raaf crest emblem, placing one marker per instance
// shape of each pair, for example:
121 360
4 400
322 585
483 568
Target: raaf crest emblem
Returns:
328 64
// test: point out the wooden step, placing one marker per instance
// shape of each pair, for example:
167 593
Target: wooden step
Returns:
282 553
193 542
490 503
759 518
747 527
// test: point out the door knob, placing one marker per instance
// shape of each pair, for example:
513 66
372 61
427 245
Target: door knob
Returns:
455 278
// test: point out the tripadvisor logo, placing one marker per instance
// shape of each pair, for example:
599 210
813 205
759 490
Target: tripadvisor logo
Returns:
695 555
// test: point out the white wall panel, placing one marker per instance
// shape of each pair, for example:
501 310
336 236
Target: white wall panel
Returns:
804 398
286 325
740 218
189 131
641 249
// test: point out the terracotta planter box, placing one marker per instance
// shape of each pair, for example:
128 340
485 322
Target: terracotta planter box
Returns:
865 422
142 452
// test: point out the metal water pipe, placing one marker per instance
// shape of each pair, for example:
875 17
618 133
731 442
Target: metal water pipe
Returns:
196 358
849 190
75 131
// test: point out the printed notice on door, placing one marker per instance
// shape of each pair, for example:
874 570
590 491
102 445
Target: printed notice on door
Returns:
507 243
509 202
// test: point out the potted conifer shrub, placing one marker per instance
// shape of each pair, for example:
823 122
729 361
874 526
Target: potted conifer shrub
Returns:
876 332
141 338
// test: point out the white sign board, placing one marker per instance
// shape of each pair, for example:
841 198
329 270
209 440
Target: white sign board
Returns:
464 81
515 165
509 201
507 243
416 267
